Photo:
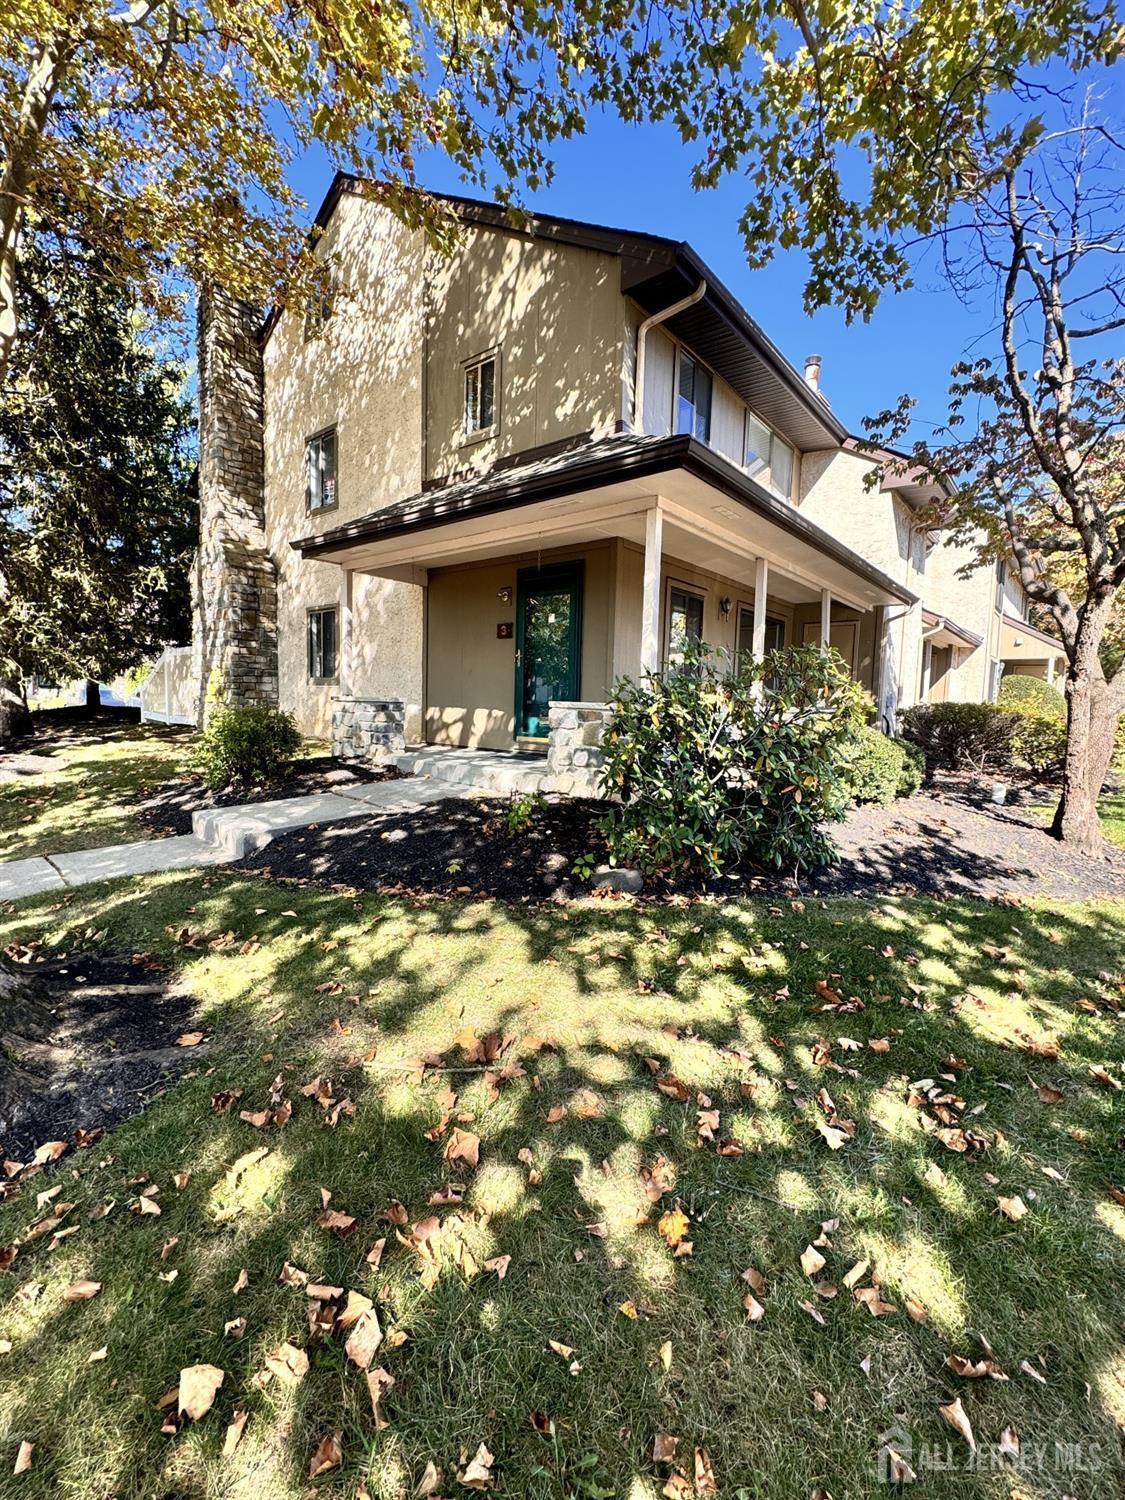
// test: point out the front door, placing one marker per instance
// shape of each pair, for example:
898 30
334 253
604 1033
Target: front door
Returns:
548 643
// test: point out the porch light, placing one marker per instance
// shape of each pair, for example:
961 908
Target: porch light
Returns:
504 594
726 604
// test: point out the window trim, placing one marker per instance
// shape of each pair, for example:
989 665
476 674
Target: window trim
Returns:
322 609
678 585
684 352
794 454
314 322
474 362
772 618
316 437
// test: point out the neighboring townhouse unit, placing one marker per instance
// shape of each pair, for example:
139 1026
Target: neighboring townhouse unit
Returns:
467 488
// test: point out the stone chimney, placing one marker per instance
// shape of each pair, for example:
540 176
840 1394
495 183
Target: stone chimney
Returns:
234 588
812 374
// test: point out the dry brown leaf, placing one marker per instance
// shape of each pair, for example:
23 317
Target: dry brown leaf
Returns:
665 1354
242 1281
664 1448
974 1369
189 1039
431 1478
811 1260
199 1385
1012 1208
234 1432
872 1300
82 1291
337 1223
898 1469
477 1474
23 1457
754 1309
564 1351
329 1455
365 1338
379 1382
672 1226
1010 1443
704 1474
814 1312
462 1145
856 1274
954 1414
499 1264
754 1279
235 1328
288 1363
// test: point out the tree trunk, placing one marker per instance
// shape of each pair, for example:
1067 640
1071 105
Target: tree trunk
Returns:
93 696
15 720
1091 721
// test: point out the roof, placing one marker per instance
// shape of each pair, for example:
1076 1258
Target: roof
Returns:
587 465
1021 627
657 271
933 622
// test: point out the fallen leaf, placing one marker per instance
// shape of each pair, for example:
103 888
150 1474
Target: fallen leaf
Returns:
811 1260
234 1432
329 1455
954 1414
82 1291
814 1312
1010 1443
1012 1208
665 1353
431 1478
856 1274
664 1448
564 1351
98 1355
704 1474
189 1039
288 1363
754 1309
379 1382
338 1223
871 1299
365 1338
199 1385
462 1145
23 1457
499 1264
974 1369
673 1225
477 1474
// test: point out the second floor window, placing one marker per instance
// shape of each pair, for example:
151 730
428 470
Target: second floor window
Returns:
693 399
480 396
322 644
320 471
769 460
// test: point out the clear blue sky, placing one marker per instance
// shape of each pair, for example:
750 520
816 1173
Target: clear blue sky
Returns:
638 177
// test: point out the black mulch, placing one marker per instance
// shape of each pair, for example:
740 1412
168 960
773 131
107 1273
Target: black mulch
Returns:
167 809
946 841
111 1050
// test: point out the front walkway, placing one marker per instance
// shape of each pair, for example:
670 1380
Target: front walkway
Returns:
222 834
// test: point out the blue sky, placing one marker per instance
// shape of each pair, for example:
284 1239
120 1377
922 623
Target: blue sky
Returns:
638 177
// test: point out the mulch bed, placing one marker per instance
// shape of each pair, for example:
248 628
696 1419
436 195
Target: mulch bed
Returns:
167 808
949 840
111 1050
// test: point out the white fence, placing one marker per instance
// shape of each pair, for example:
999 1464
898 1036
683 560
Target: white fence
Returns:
167 694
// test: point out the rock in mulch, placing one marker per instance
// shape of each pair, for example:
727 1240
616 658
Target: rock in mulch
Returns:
88 1043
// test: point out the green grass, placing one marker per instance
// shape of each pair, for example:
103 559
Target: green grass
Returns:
87 797
1111 810
303 981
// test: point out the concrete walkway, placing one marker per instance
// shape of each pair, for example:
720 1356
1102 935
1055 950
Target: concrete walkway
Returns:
220 834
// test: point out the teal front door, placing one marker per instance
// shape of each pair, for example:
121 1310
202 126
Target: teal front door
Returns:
548 643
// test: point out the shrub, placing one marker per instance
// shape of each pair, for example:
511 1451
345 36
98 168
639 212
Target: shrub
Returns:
245 745
1039 744
880 768
976 735
716 769
1031 695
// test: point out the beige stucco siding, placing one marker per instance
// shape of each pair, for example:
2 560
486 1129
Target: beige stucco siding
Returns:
880 526
554 315
363 375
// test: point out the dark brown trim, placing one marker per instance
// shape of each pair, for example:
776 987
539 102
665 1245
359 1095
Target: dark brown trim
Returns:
933 621
642 458
1022 627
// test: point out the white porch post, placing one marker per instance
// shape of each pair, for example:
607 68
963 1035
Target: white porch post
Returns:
346 635
1051 671
761 584
825 619
650 605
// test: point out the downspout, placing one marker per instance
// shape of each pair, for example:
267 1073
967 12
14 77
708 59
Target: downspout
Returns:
642 336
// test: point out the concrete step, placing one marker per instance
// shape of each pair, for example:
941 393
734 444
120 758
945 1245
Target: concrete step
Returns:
483 770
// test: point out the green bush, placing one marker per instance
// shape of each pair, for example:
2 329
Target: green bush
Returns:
959 735
1039 744
245 745
881 768
715 769
1031 695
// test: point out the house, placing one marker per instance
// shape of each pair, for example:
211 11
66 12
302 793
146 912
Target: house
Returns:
454 502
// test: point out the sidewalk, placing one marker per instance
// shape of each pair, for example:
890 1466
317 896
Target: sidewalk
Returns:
220 835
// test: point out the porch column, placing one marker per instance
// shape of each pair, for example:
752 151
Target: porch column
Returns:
1051 671
346 635
761 584
825 619
650 605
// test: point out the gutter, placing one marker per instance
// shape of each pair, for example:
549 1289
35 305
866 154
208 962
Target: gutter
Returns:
642 342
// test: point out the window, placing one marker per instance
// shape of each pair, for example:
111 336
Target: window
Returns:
775 634
685 621
480 396
320 469
693 401
769 460
322 644
1001 580
318 307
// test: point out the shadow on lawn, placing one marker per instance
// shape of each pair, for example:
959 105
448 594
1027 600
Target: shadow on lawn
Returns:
719 997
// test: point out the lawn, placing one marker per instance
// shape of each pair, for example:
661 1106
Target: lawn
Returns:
87 796
637 1061
1111 810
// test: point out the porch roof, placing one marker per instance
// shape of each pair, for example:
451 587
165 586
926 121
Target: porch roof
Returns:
603 487
942 631
1027 642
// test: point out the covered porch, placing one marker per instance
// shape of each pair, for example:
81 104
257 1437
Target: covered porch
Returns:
1026 651
548 582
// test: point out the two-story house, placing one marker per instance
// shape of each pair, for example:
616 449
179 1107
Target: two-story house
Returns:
465 488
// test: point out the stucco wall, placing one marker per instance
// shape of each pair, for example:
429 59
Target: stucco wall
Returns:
554 312
971 603
363 374
879 526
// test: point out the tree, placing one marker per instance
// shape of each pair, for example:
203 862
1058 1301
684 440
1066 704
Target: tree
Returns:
1033 453
157 121
97 518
